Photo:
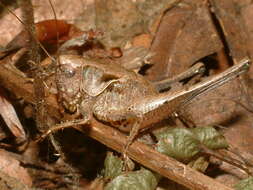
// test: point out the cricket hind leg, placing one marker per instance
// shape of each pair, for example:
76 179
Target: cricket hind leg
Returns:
125 121
155 108
130 139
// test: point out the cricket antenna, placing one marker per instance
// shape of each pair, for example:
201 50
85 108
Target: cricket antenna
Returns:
57 31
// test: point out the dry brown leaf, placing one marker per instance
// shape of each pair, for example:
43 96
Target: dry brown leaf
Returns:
143 40
186 34
216 106
247 14
230 20
11 166
10 117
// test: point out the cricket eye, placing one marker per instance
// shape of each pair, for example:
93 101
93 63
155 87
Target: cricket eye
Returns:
68 72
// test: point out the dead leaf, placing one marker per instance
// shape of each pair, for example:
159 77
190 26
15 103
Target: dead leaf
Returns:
247 14
231 22
10 117
11 166
186 34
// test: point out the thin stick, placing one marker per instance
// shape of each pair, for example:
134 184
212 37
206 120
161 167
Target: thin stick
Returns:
34 56
227 159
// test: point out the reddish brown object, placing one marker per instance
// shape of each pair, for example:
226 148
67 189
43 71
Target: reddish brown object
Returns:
116 52
46 30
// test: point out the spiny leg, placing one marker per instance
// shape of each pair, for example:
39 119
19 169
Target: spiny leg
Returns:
126 121
158 107
63 125
130 139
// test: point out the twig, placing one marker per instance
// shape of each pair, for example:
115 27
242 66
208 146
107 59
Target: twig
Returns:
21 87
34 55
227 159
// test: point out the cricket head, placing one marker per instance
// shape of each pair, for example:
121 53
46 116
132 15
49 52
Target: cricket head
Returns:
68 80
78 77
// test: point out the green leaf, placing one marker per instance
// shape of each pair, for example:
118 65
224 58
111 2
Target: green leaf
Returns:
138 180
113 166
245 184
178 143
210 137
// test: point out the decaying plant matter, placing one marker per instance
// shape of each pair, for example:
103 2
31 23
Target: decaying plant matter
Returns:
97 89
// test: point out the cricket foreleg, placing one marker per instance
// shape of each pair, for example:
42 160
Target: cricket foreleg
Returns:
63 125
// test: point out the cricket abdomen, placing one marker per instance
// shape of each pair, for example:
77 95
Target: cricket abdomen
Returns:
112 106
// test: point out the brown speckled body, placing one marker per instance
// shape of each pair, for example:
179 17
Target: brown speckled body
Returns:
115 104
102 88
121 97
